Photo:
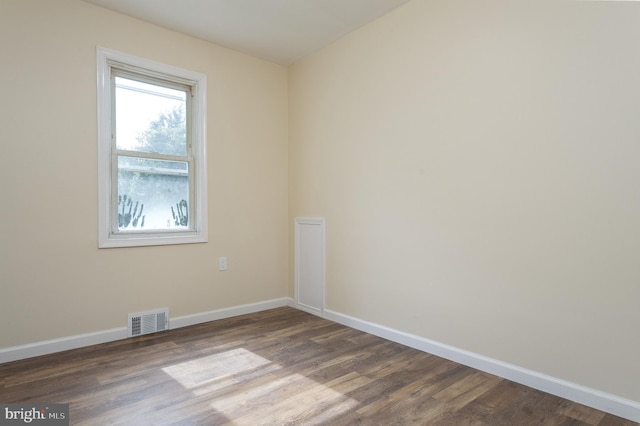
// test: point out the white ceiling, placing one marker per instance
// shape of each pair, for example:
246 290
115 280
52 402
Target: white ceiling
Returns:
281 31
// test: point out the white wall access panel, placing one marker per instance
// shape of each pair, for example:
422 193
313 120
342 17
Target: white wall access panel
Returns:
309 264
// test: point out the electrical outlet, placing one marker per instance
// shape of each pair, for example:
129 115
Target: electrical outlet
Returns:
222 264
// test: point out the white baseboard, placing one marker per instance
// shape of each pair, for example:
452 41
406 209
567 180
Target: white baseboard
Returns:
30 350
594 398
45 347
308 309
233 311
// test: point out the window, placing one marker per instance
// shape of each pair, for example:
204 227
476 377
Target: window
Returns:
151 153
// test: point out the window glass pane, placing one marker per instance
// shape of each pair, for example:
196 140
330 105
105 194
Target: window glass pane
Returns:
152 195
150 118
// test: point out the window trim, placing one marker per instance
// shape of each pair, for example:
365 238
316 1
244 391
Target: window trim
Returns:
107 58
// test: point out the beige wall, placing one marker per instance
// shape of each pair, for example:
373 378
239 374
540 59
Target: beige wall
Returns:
54 280
478 166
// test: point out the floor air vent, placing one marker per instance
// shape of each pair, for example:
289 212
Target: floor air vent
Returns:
148 322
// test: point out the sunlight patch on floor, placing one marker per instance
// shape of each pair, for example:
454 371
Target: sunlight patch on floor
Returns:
214 368
276 397
289 399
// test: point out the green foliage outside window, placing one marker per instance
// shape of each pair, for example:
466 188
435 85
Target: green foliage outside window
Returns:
167 134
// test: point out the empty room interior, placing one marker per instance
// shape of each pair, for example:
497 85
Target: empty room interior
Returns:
469 170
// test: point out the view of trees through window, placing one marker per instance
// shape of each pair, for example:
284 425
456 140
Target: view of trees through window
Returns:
151 135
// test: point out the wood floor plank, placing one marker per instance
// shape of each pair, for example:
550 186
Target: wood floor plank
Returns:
277 367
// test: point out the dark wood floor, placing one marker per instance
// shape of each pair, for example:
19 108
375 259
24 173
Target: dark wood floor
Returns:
277 367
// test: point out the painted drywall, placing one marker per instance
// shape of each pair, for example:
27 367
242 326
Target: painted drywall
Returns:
477 167
55 282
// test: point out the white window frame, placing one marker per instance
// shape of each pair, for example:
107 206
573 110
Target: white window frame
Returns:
107 236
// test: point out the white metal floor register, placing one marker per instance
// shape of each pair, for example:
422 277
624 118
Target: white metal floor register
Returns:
34 414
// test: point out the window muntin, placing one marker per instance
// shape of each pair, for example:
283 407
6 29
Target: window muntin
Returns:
151 158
